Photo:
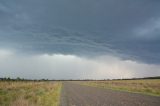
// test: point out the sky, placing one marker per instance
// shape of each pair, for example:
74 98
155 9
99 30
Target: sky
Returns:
79 39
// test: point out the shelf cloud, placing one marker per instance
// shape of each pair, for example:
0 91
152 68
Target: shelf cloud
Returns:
79 33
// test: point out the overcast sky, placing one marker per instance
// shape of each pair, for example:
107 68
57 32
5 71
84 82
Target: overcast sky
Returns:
64 39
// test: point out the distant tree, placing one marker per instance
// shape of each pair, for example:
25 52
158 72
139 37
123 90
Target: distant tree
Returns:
18 78
42 79
8 78
5 78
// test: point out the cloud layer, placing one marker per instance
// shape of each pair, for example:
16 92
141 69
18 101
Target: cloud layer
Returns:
127 32
124 28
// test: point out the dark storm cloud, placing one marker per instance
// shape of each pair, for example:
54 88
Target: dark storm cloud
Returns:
83 27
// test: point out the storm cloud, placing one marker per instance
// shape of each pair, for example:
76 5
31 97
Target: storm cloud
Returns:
87 29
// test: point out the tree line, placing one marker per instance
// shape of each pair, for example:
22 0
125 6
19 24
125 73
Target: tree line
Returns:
23 79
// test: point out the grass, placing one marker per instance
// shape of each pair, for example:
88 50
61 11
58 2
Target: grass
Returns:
147 86
21 93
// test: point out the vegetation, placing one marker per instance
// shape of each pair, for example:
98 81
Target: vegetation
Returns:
145 86
29 93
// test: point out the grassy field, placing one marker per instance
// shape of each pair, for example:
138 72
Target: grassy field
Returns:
20 93
148 86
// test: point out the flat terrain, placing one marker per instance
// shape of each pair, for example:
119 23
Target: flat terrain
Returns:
29 93
144 86
80 95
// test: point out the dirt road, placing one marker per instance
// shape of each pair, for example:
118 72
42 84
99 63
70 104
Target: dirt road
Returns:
78 95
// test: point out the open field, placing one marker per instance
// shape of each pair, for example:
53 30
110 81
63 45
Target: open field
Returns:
147 86
29 93
80 93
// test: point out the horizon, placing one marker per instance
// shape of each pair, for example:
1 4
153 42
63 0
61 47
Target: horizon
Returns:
43 79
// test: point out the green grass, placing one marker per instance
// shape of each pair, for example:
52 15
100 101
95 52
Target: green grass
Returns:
148 86
29 93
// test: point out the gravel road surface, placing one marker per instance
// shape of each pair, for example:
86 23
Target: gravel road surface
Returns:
79 95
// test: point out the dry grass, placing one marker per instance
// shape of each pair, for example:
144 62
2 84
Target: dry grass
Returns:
29 93
148 86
